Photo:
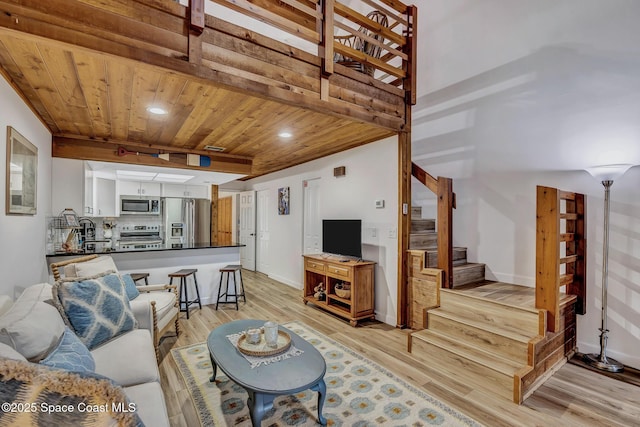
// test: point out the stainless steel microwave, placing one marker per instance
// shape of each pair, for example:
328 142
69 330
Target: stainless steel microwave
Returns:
139 205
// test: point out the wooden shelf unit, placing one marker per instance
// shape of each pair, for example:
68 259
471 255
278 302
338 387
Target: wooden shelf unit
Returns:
331 271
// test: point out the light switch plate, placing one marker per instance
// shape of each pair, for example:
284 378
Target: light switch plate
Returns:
379 204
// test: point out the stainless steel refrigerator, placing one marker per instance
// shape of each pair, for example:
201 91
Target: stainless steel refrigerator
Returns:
187 222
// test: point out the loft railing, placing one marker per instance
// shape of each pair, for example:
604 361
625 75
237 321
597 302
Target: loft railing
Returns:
443 189
387 48
561 246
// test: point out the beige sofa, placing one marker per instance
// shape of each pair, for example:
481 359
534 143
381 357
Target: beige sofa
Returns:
31 327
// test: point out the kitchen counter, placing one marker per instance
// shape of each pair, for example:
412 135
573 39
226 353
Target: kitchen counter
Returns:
119 250
160 262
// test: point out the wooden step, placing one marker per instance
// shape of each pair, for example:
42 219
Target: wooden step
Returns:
489 337
470 272
512 318
419 225
424 240
473 366
459 257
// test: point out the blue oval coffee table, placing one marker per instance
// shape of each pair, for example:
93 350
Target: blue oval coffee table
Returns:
265 382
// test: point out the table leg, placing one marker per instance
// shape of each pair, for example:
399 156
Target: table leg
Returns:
259 404
321 388
215 369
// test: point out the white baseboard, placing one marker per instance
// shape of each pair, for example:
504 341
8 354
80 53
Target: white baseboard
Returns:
512 278
286 281
626 359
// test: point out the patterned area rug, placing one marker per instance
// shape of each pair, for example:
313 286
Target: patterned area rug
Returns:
359 393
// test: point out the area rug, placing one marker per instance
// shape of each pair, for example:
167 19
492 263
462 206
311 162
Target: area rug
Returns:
359 393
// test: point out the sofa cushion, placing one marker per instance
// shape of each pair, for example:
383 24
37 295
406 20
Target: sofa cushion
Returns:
71 355
31 326
130 287
165 301
31 385
93 267
8 352
129 359
97 308
150 405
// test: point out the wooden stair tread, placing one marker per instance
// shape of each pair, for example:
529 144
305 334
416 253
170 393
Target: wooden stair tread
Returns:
493 328
492 361
489 300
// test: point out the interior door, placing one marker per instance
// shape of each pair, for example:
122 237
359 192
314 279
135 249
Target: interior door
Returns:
225 220
264 237
312 224
248 229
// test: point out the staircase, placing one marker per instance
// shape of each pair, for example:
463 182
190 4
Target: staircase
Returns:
487 335
424 237
482 343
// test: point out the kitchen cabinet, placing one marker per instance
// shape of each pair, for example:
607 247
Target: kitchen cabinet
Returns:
105 197
67 178
139 188
181 190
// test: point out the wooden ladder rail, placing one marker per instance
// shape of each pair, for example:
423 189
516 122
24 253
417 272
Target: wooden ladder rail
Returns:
554 206
443 189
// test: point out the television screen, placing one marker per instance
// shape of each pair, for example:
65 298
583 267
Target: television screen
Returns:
342 237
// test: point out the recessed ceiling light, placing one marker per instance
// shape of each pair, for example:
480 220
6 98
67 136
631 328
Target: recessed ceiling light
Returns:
213 148
157 110
285 134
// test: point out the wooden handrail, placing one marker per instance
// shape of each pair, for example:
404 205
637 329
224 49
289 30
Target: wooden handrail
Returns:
443 189
549 238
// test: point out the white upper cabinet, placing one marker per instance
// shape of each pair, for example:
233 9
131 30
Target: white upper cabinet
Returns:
139 188
182 190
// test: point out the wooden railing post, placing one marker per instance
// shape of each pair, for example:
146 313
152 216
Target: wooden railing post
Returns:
549 238
548 254
445 229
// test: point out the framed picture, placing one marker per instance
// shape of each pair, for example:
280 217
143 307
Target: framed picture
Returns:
71 219
22 174
283 201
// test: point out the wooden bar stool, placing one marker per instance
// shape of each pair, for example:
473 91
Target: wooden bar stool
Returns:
140 276
228 270
184 296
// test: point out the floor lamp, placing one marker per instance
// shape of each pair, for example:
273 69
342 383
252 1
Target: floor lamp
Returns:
605 174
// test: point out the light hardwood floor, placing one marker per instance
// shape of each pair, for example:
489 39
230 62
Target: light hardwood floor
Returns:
572 397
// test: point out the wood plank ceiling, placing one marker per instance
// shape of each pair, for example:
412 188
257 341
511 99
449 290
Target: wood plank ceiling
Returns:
90 96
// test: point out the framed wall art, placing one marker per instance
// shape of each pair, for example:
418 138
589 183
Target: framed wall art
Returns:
22 174
283 201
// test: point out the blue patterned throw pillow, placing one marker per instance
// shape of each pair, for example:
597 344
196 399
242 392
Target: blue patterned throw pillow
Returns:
130 287
70 355
97 308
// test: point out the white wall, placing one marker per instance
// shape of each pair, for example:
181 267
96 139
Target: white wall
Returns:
22 237
371 174
519 94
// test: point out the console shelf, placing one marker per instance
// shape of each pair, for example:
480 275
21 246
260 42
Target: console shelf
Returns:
330 271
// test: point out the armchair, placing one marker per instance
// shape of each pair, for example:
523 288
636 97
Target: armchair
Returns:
362 45
155 309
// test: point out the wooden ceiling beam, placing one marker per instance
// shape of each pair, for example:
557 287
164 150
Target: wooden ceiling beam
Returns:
56 25
107 151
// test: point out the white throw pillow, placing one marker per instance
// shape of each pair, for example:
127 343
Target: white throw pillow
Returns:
97 266
33 328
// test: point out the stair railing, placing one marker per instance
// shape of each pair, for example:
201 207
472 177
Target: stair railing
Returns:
443 189
561 246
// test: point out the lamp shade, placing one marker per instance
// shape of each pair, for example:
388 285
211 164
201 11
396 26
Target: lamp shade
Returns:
608 172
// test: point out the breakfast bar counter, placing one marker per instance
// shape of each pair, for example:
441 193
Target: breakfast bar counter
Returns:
160 262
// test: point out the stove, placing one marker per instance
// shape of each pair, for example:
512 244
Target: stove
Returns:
140 237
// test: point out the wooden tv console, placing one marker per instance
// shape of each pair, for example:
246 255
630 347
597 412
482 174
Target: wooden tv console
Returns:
330 271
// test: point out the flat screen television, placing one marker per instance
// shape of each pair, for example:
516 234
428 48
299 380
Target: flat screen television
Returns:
342 237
